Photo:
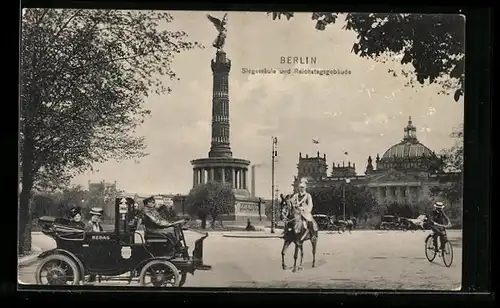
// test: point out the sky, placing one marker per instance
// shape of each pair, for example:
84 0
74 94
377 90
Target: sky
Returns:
362 113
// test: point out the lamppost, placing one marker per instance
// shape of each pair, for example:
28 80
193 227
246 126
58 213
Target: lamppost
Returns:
347 181
273 157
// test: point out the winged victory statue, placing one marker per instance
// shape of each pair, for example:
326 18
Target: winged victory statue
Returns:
220 25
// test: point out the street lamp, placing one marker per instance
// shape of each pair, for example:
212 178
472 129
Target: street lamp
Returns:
273 156
347 181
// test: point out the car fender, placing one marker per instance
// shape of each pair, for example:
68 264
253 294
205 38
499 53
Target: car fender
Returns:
65 253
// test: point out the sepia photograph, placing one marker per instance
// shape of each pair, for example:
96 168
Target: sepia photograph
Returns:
234 149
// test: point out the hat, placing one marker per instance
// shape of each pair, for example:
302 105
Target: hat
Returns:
96 211
147 200
439 205
76 211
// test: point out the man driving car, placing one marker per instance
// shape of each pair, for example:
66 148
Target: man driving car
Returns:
154 223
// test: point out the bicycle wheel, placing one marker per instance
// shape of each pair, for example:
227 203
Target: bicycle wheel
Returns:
430 249
447 254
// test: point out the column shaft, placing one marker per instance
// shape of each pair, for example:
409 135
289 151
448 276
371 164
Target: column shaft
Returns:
234 177
212 174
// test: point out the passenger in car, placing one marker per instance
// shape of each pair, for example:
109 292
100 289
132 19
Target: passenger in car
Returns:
76 217
94 225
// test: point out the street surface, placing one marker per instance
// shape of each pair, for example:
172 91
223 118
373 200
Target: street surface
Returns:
362 259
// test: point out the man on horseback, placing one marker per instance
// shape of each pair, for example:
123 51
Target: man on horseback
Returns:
299 226
303 201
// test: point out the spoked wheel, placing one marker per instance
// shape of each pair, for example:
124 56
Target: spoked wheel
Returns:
159 273
57 270
430 249
447 254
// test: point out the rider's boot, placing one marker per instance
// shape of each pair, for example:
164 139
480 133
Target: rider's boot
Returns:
310 226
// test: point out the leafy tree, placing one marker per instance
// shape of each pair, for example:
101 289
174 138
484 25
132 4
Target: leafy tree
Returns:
451 186
84 77
167 212
269 209
211 199
402 210
43 205
102 196
58 203
358 199
433 44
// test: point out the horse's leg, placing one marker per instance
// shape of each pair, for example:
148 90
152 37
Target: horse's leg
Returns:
314 241
301 249
286 244
295 256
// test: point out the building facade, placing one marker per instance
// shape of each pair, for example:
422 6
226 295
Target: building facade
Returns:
404 174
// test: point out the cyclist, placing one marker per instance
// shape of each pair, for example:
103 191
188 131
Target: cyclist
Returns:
438 222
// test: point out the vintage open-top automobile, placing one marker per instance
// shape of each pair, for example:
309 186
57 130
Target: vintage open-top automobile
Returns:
157 260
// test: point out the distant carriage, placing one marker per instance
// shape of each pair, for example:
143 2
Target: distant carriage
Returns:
341 225
393 222
157 261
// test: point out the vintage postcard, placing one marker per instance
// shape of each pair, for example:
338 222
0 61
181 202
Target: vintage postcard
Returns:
241 149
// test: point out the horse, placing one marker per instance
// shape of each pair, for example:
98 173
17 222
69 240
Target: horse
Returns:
419 222
295 232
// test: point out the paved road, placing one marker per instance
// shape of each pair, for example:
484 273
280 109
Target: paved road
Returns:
363 259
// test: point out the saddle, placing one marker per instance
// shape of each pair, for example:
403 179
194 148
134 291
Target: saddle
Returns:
304 225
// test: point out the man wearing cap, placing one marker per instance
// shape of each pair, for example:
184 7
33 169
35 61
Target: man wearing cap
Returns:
94 225
303 201
438 224
76 218
153 222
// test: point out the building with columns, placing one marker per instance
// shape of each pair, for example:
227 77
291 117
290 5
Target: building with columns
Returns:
220 165
404 174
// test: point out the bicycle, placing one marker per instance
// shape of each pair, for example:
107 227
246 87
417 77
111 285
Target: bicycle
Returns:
431 250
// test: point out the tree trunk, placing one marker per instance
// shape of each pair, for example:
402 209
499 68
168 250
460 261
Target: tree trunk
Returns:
24 232
203 218
27 172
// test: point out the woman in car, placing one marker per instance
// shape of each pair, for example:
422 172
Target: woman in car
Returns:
76 217
94 225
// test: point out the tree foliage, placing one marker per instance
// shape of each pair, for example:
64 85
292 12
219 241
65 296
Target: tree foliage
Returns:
167 212
84 77
211 199
406 210
58 203
269 210
432 45
451 187
358 199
